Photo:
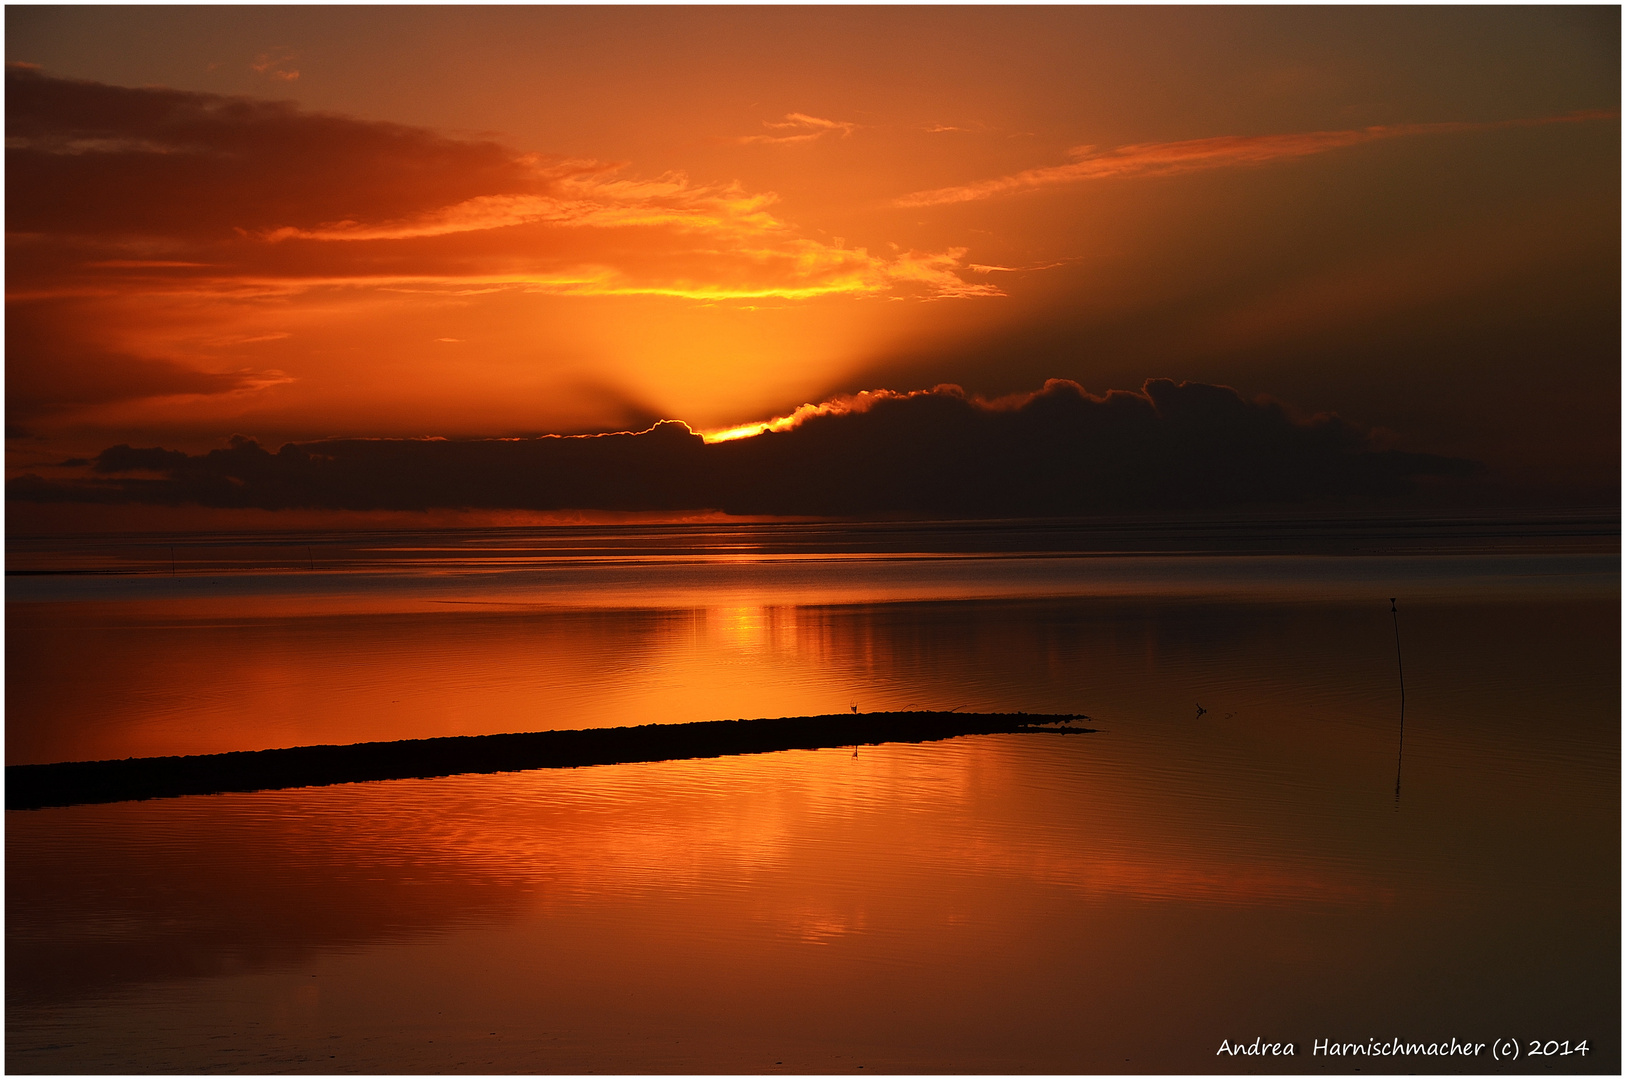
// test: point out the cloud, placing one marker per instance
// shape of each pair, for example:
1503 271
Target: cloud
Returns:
804 128
984 268
49 371
1193 155
1060 450
582 203
89 378
238 196
841 405
1057 451
278 66
137 215
141 264
190 169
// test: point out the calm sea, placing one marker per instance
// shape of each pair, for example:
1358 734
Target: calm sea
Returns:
1298 863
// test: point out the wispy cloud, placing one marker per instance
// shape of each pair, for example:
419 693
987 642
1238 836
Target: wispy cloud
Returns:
1194 155
142 264
725 245
278 65
986 268
801 128
50 373
780 268
583 202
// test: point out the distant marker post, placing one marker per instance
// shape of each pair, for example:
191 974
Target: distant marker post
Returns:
1400 756
1395 614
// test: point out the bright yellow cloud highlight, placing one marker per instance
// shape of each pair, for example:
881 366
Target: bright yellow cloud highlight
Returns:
838 406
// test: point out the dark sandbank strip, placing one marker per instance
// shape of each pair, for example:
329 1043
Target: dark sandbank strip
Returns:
67 783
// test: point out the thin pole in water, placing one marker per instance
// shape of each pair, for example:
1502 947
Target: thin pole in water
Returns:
172 560
1401 667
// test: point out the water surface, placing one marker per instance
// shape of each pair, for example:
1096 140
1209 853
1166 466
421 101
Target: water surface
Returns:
1119 902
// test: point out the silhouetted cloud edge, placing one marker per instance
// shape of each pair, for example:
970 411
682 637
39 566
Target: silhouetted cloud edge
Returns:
1057 451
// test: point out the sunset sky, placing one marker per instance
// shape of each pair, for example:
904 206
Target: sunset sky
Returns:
302 223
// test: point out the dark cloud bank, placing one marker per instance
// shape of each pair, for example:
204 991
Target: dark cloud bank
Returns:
202 167
1059 451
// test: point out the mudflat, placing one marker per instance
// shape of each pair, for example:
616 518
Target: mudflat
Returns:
68 783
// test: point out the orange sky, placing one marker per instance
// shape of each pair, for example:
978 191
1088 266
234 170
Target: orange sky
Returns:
518 220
